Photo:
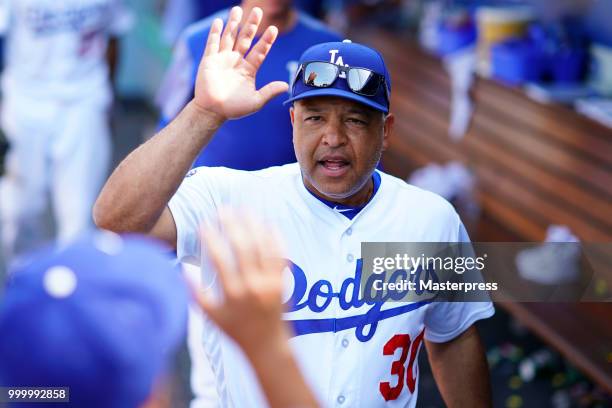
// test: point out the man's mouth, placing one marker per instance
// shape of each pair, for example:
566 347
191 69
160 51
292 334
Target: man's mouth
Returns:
333 164
334 167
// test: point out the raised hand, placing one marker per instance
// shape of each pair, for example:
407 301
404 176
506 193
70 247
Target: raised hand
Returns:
249 265
225 83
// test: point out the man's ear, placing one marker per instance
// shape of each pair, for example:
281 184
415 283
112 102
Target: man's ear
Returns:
387 130
292 114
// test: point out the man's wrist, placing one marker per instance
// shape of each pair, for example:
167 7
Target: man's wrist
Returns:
207 118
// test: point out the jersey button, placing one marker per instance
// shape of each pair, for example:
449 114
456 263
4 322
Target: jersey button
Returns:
345 343
349 231
350 257
341 399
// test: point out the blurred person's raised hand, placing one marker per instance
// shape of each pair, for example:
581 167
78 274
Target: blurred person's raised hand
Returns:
249 264
225 83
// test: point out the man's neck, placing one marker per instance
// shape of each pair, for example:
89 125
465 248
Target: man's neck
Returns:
359 199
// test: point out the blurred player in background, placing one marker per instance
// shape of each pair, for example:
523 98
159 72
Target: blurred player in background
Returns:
55 113
235 149
178 14
98 326
316 8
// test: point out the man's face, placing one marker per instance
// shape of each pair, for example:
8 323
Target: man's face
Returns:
338 143
270 7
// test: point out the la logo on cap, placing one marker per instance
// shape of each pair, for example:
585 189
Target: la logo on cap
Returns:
337 61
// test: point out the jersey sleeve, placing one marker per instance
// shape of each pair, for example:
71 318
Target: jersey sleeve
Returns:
446 320
195 204
122 19
177 85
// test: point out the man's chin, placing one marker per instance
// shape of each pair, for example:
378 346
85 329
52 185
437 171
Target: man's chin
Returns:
333 191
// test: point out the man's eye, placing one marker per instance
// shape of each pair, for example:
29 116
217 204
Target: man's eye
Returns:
313 118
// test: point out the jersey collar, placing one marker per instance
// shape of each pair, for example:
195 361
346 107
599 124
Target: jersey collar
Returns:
348 211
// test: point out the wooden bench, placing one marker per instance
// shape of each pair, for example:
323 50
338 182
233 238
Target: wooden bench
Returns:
535 165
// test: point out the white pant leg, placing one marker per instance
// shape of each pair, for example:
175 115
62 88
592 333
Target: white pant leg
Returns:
28 125
203 382
80 161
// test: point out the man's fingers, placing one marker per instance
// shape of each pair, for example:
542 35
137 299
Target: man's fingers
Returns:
271 90
205 301
214 37
231 30
244 252
274 261
220 257
259 52
248 31
258 234
240 239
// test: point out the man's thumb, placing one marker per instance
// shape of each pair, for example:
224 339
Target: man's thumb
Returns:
271 90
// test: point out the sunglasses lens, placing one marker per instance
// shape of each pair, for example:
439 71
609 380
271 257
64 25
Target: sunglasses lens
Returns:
320 74
363 81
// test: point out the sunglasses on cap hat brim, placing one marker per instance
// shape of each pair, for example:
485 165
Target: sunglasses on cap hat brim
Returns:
323 74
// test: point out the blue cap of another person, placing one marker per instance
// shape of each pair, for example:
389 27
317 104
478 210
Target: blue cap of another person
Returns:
349 55
102 316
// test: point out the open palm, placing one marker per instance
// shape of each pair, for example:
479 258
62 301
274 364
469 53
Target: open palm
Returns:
249 261
225 83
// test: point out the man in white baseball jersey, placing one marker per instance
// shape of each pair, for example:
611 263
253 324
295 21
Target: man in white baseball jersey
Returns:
56 99
353 351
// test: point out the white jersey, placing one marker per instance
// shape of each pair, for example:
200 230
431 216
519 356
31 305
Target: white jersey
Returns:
352 353
57 48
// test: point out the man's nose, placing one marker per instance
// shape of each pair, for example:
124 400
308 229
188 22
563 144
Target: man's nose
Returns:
334 134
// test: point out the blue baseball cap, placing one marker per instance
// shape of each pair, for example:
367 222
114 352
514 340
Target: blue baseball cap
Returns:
103 316
347 54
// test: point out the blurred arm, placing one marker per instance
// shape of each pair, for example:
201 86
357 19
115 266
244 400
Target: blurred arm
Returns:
280 376
461 371
249 263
